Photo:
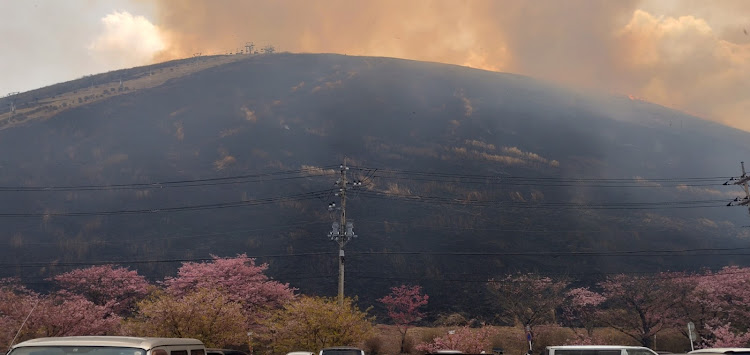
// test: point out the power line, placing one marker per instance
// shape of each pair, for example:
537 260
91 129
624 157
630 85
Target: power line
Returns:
237 179
663 252
512 230
474 278
256 202
536 178
176 236
546 205
372 173
646 275
150 261
631 253
551 183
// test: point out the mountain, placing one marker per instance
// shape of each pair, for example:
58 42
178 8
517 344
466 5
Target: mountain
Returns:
467 175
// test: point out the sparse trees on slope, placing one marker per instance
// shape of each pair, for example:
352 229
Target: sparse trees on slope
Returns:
116 288
312 323
205 314
403 304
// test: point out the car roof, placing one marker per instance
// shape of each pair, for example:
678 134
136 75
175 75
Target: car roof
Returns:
342 348
120 341
720 350
590 347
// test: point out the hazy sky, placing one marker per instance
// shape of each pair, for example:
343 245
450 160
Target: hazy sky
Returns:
693 55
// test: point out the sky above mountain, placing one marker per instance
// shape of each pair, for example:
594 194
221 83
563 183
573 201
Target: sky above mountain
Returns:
691 55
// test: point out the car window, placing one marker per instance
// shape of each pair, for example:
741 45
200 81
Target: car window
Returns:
587 352
638 352
342 352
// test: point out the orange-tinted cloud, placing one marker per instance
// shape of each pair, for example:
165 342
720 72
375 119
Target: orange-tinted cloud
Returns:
684 63
684 54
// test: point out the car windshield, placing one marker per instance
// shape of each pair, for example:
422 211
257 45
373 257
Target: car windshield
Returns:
71 350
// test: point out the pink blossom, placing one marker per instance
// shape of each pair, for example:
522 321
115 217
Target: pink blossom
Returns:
580 308
116 288
725 337
465 339
642 306
403 305
239 278
67 315
528 299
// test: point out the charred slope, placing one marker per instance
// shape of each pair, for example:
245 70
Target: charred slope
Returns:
287 112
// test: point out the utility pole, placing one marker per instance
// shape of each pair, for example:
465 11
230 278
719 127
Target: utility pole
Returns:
341 230
742 180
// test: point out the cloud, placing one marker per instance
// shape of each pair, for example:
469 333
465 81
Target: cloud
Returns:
683 63
690 55
126 40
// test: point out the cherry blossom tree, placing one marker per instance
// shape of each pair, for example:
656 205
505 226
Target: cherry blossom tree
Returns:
16 302
528 299
206 314
724 336
67 315
57 314
641 306
116 288
719 305
580 309
465 339
238 278
403 304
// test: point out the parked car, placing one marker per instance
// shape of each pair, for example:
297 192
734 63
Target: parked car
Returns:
109 345
720 351
301 353
598 350
342 350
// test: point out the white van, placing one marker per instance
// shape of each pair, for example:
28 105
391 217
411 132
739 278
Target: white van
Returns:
109 345
598 350
721 351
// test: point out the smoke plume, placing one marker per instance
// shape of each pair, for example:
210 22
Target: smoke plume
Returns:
686 55
127 40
